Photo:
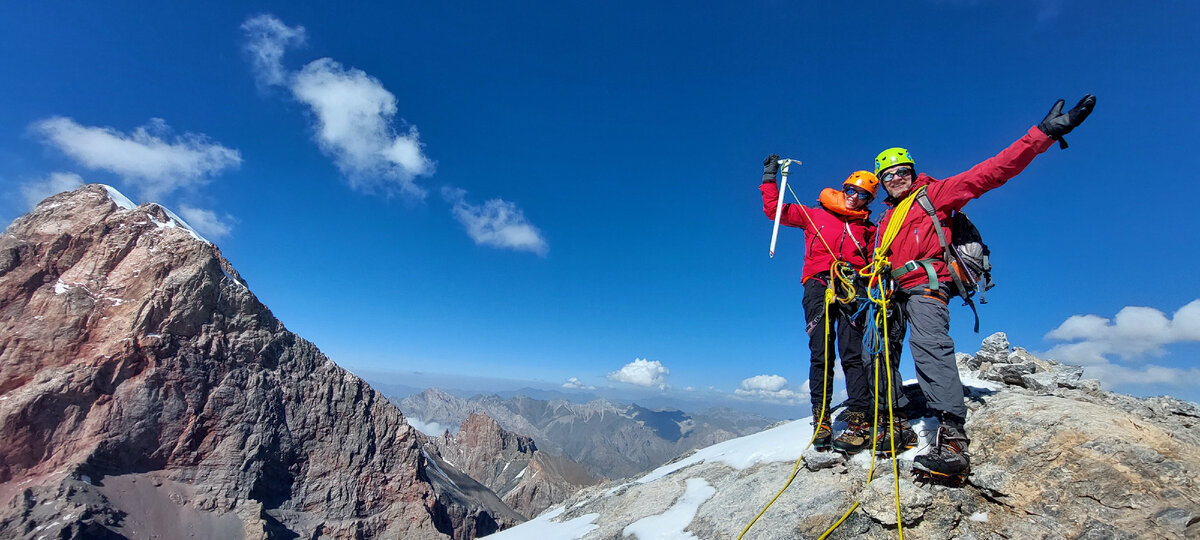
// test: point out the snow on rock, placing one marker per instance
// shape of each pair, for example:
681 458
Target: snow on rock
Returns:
781 443
671 524
1065 462
116 196
544 527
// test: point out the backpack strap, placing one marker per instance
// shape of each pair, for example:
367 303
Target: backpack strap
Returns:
947 254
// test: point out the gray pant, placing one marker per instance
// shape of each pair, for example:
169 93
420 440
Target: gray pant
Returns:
928 322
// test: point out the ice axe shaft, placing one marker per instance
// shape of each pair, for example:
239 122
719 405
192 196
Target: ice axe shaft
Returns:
783 170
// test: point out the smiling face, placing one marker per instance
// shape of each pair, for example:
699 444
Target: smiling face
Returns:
897 180
856 198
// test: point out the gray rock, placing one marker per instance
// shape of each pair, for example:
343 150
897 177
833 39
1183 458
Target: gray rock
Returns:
1068 376
1090 385
1044 382
994 349
965 361
880 501
815 461
1022 356
1009 373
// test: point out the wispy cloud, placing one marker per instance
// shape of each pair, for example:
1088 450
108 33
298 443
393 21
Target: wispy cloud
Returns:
1117 350
433 429
36 190
641 372
354 115
207 222
768 387
575 384
496 223
267 39
149 157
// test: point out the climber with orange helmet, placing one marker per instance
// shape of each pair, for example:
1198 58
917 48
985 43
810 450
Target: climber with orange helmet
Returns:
923 280
837 236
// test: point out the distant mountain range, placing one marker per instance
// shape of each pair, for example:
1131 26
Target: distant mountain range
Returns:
611 440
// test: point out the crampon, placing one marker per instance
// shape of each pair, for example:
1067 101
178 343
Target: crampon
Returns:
926 476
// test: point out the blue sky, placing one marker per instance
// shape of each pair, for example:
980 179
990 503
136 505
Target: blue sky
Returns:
547 191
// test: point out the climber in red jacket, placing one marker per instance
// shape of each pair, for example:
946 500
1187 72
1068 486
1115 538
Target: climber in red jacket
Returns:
923 281
837 236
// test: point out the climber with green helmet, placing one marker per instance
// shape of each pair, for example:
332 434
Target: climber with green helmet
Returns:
923 280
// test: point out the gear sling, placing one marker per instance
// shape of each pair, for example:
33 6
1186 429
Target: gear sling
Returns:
969 275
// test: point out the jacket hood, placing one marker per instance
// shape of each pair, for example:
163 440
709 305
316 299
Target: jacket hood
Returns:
835 201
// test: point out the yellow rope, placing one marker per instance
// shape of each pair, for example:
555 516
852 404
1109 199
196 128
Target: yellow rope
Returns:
877 267
875 270
829 295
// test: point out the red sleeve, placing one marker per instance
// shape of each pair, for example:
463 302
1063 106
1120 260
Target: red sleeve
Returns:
954 192
793 214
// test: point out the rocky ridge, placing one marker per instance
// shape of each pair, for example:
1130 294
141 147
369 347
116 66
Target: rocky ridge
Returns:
1054 456
610 440
145 391
525 478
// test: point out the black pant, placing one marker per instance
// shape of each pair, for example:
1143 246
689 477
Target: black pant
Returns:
846 333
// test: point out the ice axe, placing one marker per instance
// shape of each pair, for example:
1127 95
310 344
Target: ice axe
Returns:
783 170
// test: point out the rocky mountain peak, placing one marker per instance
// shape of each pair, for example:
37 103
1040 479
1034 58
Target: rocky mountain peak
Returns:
1053 456
480 431
145 391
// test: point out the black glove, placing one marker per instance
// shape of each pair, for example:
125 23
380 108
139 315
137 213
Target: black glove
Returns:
770 168
1056 124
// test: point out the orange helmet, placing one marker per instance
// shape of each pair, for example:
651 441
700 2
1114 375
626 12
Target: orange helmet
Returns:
863 180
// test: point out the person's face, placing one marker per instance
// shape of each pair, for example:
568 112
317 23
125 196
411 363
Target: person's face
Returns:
856 198
897 179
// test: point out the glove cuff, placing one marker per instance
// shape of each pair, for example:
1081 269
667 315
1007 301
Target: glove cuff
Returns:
768 177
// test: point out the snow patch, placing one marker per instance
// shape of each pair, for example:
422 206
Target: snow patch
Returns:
981 517
61 287
781 443
520 474
121 200
543 528
176 221
671 524
439 469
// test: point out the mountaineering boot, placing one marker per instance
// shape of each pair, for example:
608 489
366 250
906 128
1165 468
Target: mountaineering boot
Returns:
824 433
856 436
948 462
901 431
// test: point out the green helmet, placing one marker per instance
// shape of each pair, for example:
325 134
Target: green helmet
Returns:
892 157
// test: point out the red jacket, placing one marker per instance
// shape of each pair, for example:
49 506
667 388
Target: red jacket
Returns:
917 240
848 237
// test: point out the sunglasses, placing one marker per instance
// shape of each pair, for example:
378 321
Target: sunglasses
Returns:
902 173
855 192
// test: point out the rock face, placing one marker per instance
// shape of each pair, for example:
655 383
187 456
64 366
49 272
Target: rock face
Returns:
144 391
1062 460
610 440
526 479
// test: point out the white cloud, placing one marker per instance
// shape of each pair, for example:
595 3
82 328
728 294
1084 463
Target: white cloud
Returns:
207 222
143 158
1135 335
35 191
496 223
642 372
768 387
433 429
267 38
354 114
576 384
